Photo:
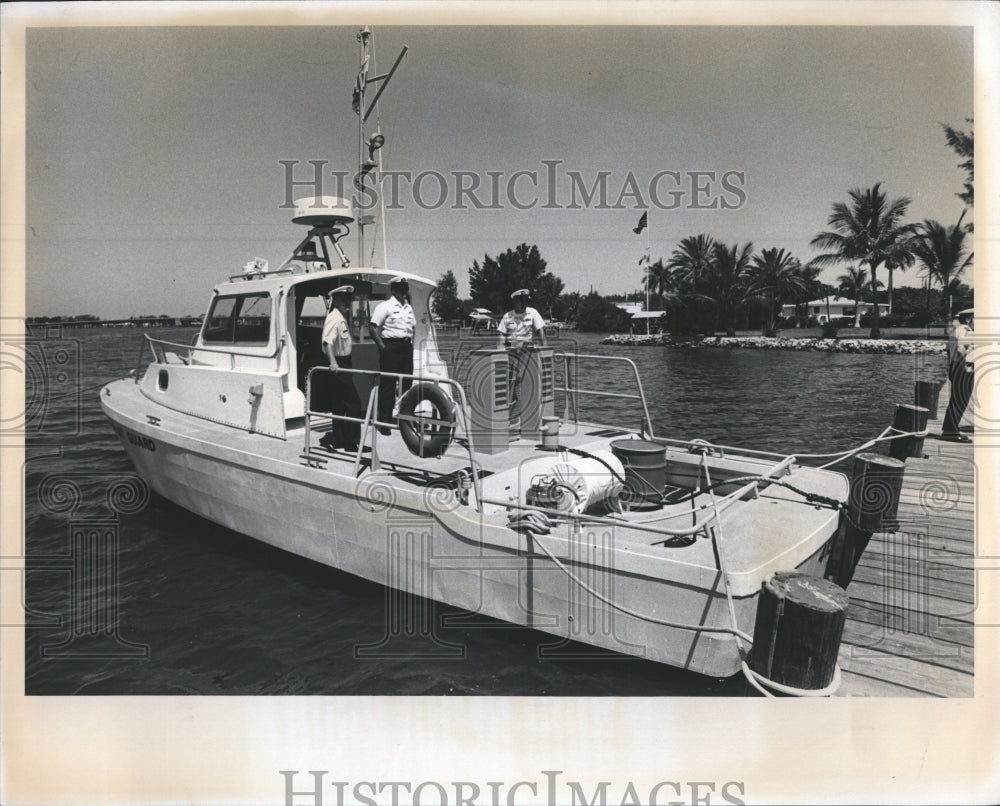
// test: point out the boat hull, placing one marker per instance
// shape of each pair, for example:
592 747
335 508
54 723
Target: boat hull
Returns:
602 595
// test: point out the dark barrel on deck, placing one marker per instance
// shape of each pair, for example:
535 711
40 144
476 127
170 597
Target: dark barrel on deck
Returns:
645 471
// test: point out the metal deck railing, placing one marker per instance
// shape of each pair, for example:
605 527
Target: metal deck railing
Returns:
370 423
571 372
158 348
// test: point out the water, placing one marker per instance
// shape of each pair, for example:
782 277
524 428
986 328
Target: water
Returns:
203 610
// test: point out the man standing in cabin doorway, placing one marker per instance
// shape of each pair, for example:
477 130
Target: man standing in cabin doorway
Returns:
343 394
392 326
519 329
960 375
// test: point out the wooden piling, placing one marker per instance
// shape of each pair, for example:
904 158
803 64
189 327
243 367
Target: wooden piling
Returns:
908 419
876 483
796 637
926 394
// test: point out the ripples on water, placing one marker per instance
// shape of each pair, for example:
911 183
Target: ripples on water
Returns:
219 613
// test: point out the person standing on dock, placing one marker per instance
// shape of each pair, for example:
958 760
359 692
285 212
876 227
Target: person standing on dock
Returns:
519 328
392 325
960 375
343 395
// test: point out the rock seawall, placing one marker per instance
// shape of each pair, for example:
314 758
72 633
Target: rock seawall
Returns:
906 346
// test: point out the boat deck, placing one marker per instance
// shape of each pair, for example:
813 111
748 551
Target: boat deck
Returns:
394 454
911 622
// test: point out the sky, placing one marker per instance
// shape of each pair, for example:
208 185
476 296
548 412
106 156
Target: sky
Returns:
154 158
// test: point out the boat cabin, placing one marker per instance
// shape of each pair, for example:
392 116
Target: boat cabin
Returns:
248 366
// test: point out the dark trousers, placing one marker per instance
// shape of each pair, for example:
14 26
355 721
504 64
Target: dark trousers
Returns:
517 368
961 392
396 357
335 392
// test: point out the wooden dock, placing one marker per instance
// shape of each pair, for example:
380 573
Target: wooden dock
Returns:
910 624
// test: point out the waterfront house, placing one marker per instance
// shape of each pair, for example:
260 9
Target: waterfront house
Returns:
833 308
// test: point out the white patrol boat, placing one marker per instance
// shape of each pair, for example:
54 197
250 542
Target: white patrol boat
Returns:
483 495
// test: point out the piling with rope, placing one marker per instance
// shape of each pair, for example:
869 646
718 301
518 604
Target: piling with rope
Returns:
796 638
909 426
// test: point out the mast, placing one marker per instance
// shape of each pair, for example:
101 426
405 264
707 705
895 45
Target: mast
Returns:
376 140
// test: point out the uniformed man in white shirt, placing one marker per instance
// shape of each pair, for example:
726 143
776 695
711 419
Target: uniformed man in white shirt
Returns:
343 395
960 375
522 325
392 326
520 329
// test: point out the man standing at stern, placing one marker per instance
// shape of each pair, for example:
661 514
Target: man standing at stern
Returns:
519 329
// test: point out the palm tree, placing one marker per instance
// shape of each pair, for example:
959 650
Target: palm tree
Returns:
963 143
657 279
852 284
722 280
688 264
776 276
902 260
692 258
868 230
702 269
943 254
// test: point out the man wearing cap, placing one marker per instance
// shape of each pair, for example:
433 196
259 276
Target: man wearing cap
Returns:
343 395
960 374
522 325
391 327
519 328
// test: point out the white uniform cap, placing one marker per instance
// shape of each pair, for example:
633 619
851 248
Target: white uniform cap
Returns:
399 280
521 292
966 312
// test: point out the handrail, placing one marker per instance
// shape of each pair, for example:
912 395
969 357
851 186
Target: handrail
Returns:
369 420
190 347
571 391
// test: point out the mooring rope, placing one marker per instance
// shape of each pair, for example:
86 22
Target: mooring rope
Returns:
537 523
757 680
634 613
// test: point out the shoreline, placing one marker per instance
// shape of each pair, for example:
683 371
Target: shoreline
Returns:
903 346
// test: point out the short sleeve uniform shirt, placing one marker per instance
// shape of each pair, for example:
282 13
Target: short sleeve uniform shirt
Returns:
395 318
520 328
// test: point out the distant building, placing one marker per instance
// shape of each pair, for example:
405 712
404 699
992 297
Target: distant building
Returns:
834 308
631 308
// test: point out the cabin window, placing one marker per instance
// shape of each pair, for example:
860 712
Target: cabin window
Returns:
239 319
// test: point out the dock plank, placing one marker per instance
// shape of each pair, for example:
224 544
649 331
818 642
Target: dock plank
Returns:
938 628
921 677
910 627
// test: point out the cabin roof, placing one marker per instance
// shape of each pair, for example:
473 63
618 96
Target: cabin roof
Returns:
276 280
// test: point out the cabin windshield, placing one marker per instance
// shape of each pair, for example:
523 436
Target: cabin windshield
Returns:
239 319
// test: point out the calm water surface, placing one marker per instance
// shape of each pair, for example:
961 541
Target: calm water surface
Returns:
203 610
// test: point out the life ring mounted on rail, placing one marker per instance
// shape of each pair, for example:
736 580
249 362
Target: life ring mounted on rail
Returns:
426 435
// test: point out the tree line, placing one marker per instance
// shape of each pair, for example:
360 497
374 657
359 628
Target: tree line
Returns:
707 284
